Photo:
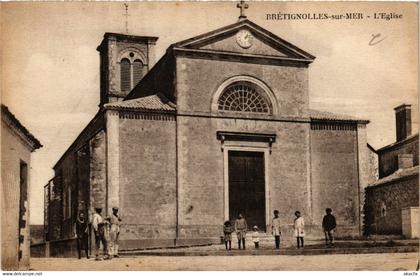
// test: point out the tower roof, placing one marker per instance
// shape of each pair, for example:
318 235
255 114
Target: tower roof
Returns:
127 38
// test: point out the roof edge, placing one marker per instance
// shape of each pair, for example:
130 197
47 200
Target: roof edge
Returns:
326 116
392 178
81 134
36 144
358 121
125 105
399 143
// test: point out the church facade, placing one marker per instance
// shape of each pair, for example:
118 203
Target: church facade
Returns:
220 125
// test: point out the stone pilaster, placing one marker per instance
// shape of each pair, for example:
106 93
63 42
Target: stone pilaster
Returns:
113 160
309 177
151 57
112 66
363 168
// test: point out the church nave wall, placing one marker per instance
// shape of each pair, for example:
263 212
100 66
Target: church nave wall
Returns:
334 169
147 182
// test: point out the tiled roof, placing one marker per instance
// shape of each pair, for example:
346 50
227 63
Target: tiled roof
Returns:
397 175
409 139
7 115
156 102
324 115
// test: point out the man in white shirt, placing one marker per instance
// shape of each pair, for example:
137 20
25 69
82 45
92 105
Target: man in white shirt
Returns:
98 229
115 231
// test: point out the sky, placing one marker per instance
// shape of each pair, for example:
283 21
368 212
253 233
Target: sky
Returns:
50 66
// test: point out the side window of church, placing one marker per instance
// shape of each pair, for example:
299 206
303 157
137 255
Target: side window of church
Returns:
125 75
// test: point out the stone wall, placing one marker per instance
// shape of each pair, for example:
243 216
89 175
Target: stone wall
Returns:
388 157
13 151
147 182
83 177
410 222
200 159
201 166
113 48
76 170
37 233
334 174
55 208
373 161
385 202
195 89
98 172
68 172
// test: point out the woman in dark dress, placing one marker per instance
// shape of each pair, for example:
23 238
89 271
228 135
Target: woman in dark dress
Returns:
81 232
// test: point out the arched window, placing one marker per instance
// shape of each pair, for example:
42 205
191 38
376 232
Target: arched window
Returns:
133 67
137 71
125 75
244 96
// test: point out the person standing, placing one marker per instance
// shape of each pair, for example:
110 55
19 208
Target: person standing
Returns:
98 229
115 232
107 237
299 227
240 229
81 233
227 231
275 228
256 237
328 226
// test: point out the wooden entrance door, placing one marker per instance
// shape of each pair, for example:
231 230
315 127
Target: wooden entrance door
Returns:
247 187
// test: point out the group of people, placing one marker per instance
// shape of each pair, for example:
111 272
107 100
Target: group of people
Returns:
240 228
106 231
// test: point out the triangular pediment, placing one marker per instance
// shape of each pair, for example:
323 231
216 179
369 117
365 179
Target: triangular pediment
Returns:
244 37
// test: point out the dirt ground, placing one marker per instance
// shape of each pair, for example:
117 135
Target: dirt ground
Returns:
352 262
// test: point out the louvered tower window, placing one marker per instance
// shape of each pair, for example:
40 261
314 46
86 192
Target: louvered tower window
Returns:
125 75
137 71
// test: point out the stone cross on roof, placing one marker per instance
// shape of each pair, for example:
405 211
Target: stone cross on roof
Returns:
243 7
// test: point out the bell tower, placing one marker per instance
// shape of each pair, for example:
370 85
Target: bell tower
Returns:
124 60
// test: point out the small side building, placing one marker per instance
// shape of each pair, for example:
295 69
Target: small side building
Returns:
17 143
392 202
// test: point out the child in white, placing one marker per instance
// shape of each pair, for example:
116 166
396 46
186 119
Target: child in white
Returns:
299 226
275 228
256 237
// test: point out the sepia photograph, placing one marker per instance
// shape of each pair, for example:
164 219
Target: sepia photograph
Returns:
209 136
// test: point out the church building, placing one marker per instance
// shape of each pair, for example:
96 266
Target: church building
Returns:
220 125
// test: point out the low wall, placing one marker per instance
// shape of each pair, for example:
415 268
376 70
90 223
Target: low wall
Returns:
384 204
39 250
410 222
60 248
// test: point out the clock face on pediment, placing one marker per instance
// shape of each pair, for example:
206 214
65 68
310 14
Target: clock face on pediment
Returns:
244 38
